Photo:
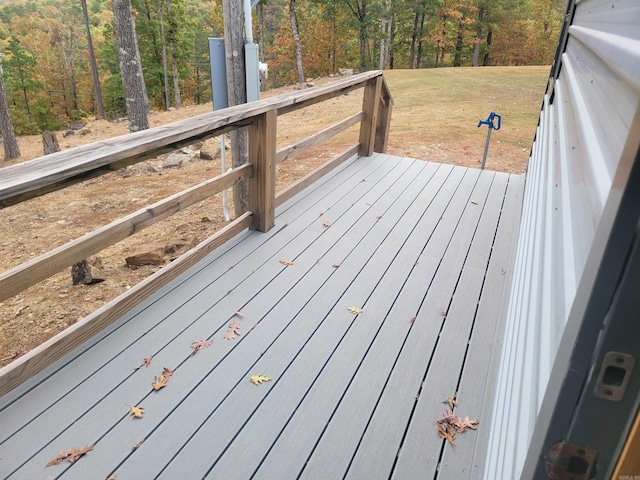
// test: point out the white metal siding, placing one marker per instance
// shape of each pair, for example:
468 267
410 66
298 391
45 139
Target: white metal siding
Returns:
578 145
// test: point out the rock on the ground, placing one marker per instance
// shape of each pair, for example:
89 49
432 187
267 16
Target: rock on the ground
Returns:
87 272
210 149
152 254
158 253
175 160
85 131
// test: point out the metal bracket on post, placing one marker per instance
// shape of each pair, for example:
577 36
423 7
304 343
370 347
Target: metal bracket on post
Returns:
492 126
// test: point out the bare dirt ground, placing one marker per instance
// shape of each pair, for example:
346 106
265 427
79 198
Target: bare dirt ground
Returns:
434 119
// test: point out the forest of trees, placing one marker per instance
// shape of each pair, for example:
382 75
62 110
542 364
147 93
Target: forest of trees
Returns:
48 74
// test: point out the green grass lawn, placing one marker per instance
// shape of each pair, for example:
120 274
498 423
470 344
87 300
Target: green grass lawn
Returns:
436 113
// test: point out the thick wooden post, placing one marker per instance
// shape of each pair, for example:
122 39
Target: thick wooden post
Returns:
370 105
384 120
262 154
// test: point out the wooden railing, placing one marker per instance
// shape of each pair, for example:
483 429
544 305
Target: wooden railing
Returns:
59 170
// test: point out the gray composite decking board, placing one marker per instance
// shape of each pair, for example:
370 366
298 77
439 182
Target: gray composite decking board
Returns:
423 446
311 259
246 452
335 374
376 452
332 455
141 389
226 261
291 450
315 324
268 297
460 462
136 357
493 361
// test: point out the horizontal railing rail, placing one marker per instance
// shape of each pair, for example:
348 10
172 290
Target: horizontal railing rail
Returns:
59 170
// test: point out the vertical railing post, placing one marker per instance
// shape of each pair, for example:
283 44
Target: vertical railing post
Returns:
262 154
370 106
384 119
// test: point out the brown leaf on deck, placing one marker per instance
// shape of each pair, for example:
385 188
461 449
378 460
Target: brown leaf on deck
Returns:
462 425
355 310
137 445
336 265
72 455
450 401
199 345
448 433
286 262
234 330
239 313
326 223
413 320
145 363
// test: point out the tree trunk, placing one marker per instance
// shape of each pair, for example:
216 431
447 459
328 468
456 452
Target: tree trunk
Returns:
177 95
419 56
11 149
414 36
296 39
485 59
130 66
163 45
476 47
457 58
391 35
383 36
50 143
237 90
92 60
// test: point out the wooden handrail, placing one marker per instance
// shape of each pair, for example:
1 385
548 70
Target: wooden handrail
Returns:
23 276
52 172
59 170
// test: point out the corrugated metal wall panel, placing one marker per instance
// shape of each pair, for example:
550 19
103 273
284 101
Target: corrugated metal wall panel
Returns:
578 144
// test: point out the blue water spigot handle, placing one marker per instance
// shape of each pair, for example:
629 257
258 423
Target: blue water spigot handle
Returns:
489 121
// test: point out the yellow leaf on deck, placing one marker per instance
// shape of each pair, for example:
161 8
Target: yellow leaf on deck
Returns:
259 378
137 412
355 310
286 262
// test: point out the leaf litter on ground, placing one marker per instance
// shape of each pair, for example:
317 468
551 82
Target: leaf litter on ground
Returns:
450 425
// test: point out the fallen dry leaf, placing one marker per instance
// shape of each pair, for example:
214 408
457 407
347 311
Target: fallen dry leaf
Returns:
199 345
462 425
112 477
378 218
239 313
326 223
258 379
286 262
447 417
336 265
137 412
451 401
234 330
137 445
448 433
413 319
145 363
159 382
355 310
474 202
72 455
166 372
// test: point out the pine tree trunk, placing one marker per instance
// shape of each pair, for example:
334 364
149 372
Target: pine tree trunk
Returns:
11 149
383 34
163 44
92 60
130 66
457 59
296 39
476 47
177 95
237 90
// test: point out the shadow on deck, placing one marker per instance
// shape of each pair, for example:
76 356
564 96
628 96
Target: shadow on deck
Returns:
422 248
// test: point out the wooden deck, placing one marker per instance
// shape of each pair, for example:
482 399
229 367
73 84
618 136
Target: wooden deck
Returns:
352 396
